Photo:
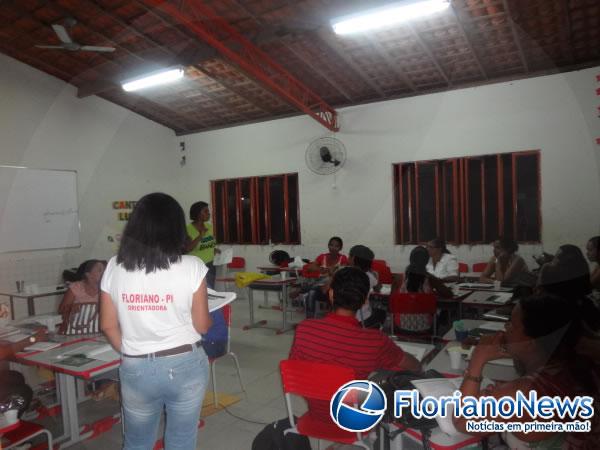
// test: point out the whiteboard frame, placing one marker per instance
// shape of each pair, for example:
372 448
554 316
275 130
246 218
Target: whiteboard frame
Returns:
76 196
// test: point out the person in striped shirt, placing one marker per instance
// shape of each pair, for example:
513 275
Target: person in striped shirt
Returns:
339 339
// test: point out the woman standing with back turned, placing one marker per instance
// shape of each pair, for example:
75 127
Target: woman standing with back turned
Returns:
154 307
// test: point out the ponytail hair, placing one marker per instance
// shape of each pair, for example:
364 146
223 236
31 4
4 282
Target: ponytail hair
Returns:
438 242
86 267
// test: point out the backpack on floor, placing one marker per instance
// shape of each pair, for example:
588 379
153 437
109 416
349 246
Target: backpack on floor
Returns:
272 438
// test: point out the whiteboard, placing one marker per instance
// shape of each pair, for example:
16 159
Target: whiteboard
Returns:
38 209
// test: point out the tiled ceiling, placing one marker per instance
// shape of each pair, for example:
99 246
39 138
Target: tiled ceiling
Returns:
472 42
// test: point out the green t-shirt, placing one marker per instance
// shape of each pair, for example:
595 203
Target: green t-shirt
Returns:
205 248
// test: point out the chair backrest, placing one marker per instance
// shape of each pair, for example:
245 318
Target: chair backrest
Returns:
237 262
479 267
383 270
82 319
298 377
413 303
463 267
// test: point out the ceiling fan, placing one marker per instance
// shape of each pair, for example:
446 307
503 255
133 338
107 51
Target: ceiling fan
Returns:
70 44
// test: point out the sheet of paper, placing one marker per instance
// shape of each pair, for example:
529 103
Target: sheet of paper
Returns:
42 346
225 257
411 349
217 300
107 355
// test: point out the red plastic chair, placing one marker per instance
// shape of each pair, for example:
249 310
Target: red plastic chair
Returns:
237 262
23 431
479 267
298 378
463 267
383 270
414 303
212 361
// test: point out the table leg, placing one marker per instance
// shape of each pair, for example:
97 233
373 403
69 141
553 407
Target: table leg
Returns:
30 306
12 308
285 327
252 323
68 401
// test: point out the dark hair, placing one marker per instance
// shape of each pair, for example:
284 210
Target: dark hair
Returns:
79 274
155 234
416 270
569 277
279 257
508 244
196 209
438 242
336 238
362 257
556 321
350 287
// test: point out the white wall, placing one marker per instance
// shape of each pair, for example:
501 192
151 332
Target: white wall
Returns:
556 114
117 154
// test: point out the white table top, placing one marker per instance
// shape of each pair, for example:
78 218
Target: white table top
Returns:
471 324
39 292
496 372
51 359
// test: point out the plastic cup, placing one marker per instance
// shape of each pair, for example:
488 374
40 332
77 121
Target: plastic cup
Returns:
497 284
455 354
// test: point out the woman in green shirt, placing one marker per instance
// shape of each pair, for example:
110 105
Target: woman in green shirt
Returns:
201 241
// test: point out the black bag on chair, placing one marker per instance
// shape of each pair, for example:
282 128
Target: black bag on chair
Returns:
391 381
272 438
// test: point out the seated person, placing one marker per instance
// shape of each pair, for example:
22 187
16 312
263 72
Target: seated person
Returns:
339 338
567 275
506 265
418 279
86 288
327 263
593 254
539 337
12 383
442 264
362 257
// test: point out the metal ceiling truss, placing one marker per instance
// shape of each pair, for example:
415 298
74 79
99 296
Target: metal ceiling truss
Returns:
216 32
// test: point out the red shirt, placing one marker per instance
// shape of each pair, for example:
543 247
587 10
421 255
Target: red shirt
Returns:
341 340
322 260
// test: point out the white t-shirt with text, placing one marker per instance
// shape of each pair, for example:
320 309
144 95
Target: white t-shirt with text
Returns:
155 309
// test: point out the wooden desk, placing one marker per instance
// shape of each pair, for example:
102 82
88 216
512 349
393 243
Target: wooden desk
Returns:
47 291
269 284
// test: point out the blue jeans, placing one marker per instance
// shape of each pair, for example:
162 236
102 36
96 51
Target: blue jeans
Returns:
176 383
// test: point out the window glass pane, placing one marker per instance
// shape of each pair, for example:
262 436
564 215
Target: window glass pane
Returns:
263 236
507 196
276 209
527 174
232 211
246 213
427 205
294 223
218 211
491 198
448 203
474 198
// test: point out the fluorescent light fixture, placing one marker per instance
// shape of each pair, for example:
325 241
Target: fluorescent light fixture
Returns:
387 16
154 79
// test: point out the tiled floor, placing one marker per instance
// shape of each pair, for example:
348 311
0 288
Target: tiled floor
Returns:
259 352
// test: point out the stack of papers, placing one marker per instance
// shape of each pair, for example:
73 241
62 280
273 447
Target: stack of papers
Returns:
412 349
217 300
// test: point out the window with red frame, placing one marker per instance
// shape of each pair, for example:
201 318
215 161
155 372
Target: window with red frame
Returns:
469 200
257 210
